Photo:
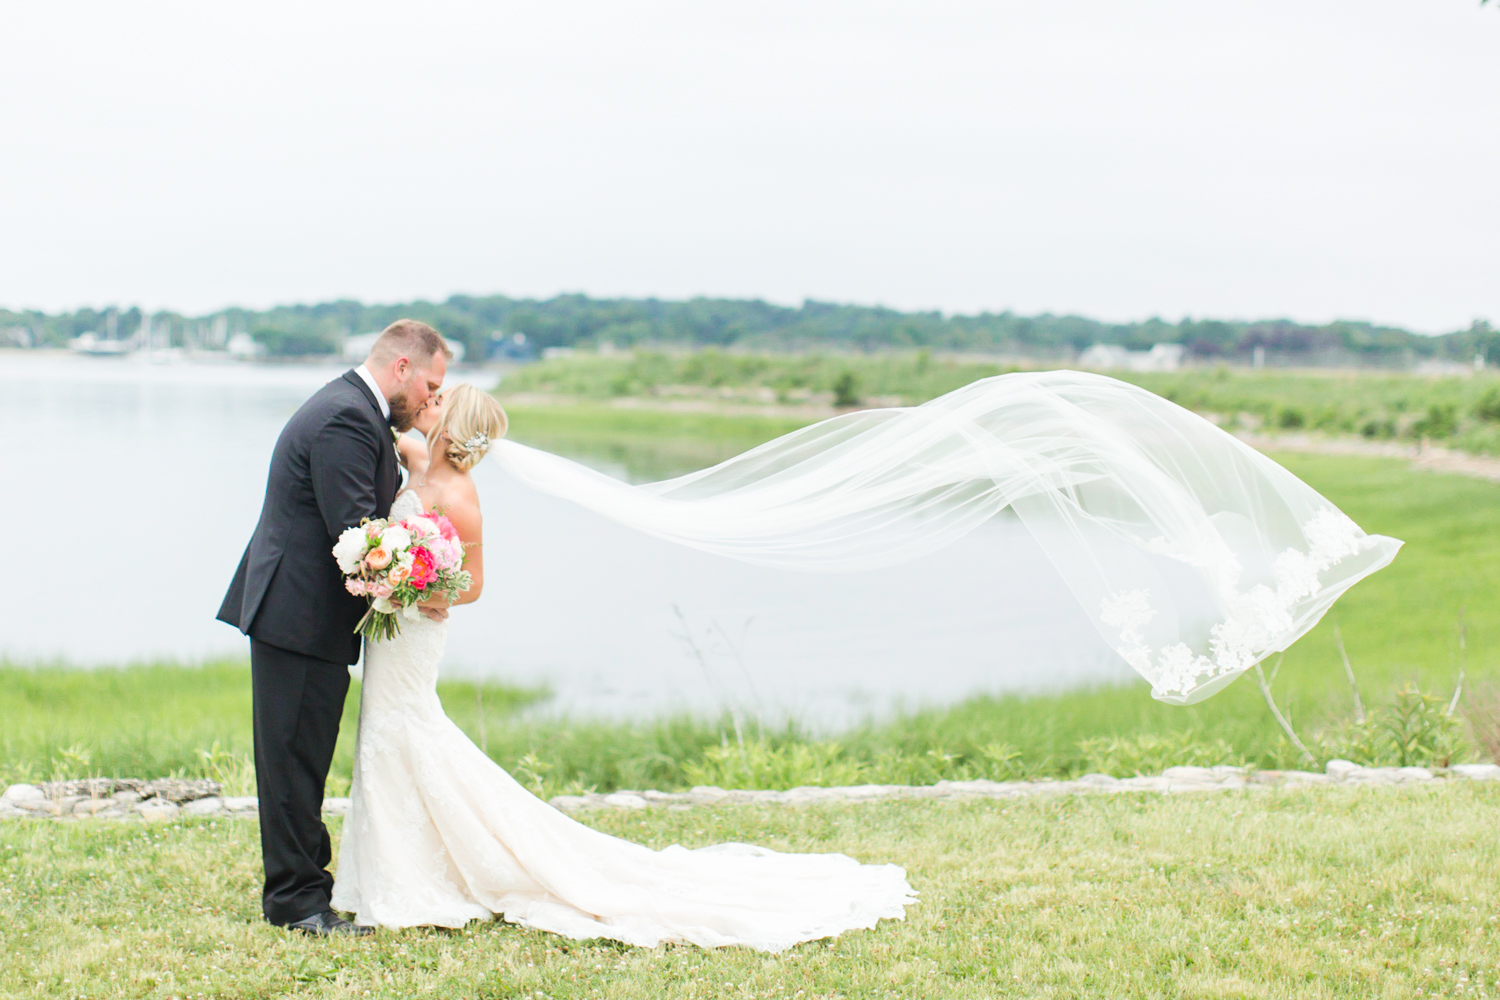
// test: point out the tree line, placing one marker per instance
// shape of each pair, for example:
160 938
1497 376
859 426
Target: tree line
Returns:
490 324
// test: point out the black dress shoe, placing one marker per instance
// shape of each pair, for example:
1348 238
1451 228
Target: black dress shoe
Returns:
327 924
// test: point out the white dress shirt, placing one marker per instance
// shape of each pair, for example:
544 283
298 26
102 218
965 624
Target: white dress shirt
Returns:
385 407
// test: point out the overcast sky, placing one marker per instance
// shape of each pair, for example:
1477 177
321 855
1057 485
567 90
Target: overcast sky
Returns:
1317 160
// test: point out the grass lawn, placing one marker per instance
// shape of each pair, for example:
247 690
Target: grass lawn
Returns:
1315 893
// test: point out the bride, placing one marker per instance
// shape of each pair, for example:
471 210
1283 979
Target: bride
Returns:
438 834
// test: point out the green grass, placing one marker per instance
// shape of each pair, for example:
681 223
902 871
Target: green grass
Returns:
1462 412
1307 894
649 444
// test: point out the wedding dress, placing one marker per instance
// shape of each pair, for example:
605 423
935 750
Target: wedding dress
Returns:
439 834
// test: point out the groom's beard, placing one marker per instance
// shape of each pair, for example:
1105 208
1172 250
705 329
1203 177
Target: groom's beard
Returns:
402 412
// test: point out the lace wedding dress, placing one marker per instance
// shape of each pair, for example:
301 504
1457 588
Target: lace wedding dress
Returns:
438 834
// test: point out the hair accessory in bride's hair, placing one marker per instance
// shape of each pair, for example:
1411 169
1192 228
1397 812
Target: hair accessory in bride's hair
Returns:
478 442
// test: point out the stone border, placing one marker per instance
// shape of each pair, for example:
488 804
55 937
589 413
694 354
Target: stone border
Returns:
133 799
1172 780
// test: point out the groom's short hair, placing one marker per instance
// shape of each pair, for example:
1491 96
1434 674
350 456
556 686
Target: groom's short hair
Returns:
413 338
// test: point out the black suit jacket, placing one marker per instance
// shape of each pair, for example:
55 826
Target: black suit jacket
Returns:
333 466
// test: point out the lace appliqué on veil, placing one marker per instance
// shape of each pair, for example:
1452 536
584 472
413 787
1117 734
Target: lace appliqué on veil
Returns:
1257 621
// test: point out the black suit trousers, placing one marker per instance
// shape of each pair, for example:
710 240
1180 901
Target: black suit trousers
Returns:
299 701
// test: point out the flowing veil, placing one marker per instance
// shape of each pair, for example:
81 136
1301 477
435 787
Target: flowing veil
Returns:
1192 554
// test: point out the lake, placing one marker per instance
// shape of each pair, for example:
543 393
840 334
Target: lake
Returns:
132 489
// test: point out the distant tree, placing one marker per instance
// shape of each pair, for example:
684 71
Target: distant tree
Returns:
846 389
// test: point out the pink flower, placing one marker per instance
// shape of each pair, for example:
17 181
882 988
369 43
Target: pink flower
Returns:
355 587
381 590
423 568
445 527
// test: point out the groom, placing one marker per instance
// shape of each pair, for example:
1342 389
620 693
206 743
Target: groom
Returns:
334 465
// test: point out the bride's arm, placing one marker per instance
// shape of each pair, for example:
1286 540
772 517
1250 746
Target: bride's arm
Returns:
464 514
413 452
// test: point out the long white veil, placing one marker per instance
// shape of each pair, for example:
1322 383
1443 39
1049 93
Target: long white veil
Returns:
1192 554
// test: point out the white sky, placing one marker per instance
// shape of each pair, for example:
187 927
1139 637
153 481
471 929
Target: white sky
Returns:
1280 157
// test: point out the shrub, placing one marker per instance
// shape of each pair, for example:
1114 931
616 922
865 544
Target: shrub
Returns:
846 389
1488 408
1440 421
1291 418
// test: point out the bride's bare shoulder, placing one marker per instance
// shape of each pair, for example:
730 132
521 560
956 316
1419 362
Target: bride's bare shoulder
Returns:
458 500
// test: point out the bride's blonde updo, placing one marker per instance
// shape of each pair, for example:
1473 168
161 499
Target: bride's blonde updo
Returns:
472 420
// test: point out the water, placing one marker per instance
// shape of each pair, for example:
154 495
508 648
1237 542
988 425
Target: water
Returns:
132 488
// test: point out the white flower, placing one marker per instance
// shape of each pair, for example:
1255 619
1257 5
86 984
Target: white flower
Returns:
411 612
422 526
350 549
396 538
383 605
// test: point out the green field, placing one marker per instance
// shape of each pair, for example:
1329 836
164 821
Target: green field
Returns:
1460 412
1310 894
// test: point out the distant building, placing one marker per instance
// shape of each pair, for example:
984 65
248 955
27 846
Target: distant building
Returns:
242 345
1112 357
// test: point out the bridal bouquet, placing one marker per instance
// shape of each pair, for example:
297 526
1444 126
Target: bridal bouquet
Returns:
397 565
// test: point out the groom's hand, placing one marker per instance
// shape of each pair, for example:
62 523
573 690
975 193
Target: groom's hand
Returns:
436 614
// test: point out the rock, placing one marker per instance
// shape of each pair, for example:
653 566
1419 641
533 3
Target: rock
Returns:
1340 770
1474 772
92 807
210 806
9 811
1266 777
570 803
1415 773
336 806
17 794
158 809
1189 773
241 804
979 786
1305 778
1101 780
179 790
625 800
127 799
89 788
652 795
707 793
41 807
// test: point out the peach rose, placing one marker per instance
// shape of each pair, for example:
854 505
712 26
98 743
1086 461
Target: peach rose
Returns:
378 558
